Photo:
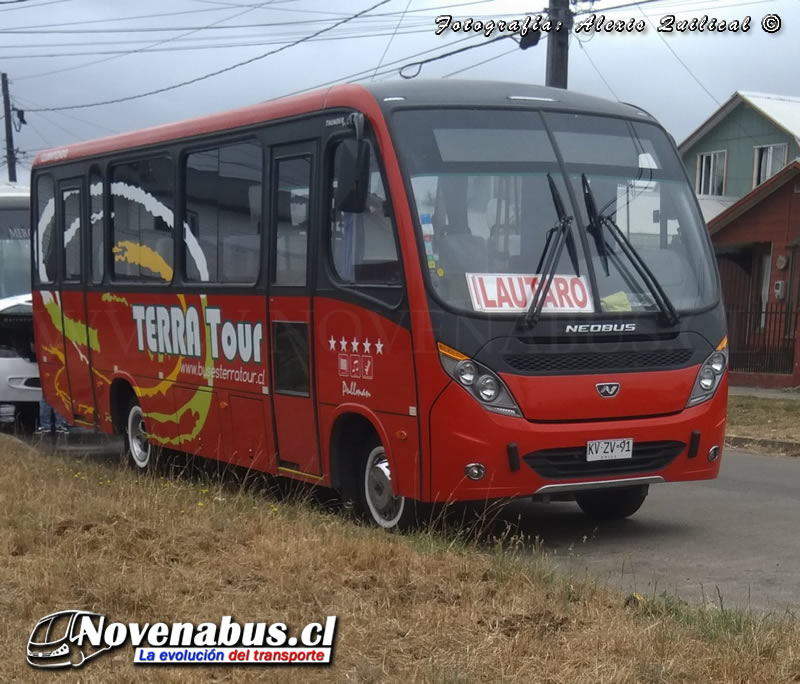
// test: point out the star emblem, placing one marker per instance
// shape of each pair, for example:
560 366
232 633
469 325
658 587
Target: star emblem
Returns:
379 347
355 344
332 342
343 343
367 346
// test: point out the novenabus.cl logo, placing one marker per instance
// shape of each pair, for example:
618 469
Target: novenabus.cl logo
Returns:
71 637
58 640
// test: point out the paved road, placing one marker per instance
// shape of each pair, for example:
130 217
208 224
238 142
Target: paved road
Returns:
740 533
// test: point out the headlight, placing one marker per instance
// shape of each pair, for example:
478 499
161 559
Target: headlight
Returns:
481 382
466 372
487 388
706 379
710 375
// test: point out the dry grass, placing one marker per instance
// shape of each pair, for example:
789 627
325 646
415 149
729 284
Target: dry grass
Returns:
427 607
764 418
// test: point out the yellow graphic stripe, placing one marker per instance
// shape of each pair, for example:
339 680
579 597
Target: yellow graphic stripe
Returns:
142 255
163 386
108 297
100 376
199 404
61 393
73 330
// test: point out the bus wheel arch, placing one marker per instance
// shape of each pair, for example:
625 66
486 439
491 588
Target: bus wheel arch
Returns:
128 420
120 398
361 466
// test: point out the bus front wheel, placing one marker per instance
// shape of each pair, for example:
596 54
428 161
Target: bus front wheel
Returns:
612 504
374 496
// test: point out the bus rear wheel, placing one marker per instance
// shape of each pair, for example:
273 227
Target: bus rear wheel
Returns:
375 498
139 450
612 504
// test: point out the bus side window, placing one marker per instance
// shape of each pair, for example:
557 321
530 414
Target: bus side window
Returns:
142 201
71 231
363 247
223 212
46 254
291 217
96 251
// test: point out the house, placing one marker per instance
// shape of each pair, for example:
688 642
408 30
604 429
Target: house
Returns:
745 163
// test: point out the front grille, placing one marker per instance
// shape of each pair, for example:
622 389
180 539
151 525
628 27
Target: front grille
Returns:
571 462
599 361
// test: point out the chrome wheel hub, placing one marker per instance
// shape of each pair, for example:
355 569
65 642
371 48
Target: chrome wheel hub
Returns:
384 506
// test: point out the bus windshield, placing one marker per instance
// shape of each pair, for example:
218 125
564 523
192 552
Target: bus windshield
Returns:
491 187
15 269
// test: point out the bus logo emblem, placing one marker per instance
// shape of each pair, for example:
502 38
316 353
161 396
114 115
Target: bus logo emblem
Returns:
607 389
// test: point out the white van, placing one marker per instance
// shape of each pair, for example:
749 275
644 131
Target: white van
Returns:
19 375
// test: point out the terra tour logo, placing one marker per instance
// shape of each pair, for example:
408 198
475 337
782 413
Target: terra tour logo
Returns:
69 638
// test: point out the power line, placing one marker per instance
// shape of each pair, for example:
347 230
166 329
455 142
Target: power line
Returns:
421 63
133 18
41 137
638 3
386 49
246 33
390 67
22 30
599 73
52 2
683 64
485 61
28 103
218 71
151 49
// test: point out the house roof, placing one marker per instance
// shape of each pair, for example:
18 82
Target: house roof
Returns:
782 110
790 171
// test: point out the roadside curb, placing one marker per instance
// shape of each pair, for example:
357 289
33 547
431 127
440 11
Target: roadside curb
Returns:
785 446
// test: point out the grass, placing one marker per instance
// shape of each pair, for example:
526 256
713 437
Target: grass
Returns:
764 418
432 606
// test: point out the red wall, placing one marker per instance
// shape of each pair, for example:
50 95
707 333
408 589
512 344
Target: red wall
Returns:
775 220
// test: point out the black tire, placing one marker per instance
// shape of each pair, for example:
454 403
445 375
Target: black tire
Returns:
366 491
612 504
139 452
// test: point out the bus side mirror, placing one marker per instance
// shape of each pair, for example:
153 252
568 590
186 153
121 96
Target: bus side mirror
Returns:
352 175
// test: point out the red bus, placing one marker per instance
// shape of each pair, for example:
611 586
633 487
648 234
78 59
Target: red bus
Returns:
411 292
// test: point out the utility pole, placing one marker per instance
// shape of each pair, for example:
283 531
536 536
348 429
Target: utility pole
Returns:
10 156
558 44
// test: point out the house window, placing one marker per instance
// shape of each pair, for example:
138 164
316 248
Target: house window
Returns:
767 161
710 178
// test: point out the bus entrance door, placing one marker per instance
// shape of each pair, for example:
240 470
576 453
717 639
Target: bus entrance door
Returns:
78 338
290 310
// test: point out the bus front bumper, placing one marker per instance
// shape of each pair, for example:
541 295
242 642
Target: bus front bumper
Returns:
517 457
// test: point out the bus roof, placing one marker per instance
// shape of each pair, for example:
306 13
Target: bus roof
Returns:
388 94
12 191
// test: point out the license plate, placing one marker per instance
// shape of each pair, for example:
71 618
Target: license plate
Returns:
609 449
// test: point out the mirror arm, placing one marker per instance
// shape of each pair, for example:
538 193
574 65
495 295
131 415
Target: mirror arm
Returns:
356 120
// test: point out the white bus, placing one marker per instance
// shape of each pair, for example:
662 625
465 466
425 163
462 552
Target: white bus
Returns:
19 375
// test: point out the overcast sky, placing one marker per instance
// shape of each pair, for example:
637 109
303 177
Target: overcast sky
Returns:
72 52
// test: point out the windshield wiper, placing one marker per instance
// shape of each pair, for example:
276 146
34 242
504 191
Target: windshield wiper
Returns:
561 213
563 236
596 224
595 228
